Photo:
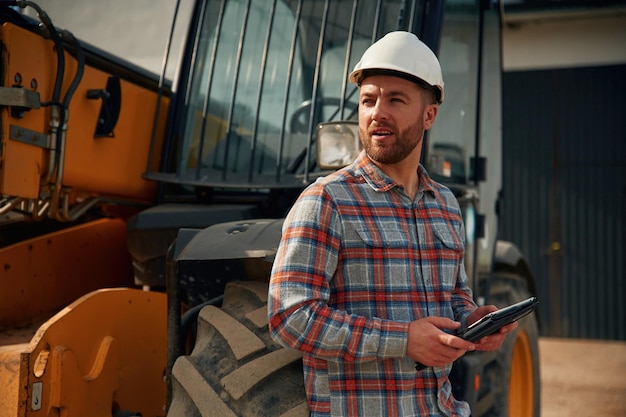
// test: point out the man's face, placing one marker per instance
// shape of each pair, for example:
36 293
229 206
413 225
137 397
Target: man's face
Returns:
393 114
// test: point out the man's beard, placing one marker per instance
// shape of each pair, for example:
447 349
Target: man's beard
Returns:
389 154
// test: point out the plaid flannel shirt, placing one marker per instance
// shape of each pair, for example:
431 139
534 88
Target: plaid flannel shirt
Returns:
358 260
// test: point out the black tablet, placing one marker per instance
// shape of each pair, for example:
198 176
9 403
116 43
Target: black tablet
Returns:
493 321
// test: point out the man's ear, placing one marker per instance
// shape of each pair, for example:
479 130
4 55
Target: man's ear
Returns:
430 114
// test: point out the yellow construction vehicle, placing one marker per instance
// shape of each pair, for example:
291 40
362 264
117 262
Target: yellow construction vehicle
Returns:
139 216
73 342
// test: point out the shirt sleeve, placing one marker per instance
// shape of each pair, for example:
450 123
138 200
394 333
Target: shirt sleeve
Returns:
299 314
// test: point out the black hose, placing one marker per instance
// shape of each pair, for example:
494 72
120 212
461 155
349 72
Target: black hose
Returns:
80 69
191 316
58 45
60 51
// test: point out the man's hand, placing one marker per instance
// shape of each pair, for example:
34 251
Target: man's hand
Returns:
429 345
493 341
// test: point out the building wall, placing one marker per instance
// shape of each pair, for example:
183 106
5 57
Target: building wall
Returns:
563 41
564 168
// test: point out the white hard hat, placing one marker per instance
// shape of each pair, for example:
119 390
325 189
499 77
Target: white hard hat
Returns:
402 54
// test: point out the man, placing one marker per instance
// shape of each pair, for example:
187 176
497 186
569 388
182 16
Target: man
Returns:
369 276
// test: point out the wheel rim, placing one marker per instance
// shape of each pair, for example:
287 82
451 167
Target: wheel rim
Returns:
521 384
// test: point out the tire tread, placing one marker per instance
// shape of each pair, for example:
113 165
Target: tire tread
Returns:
235 368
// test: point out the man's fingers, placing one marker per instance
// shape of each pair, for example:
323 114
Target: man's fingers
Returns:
457 343
443 323
431 343
449 354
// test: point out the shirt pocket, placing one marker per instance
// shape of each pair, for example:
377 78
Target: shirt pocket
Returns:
384 238
449 251
385 253
447 238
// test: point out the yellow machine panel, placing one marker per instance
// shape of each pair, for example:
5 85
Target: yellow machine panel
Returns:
110 162
24 61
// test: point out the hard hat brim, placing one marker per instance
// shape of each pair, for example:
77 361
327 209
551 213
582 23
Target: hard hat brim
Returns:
357 77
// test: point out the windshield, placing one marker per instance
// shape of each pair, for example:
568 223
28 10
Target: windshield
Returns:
451 141
257 67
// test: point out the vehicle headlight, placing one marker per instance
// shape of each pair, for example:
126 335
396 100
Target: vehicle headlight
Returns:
338 144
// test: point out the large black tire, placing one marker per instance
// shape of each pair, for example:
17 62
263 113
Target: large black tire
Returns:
235 369
515 374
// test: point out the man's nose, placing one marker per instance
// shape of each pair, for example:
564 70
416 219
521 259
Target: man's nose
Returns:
380 111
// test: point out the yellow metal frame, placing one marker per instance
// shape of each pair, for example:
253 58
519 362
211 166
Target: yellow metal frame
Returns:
39 276
106 350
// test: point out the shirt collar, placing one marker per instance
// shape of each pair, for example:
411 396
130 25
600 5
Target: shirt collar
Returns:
380 181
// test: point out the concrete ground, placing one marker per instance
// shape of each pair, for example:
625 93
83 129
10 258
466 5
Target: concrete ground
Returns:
582 378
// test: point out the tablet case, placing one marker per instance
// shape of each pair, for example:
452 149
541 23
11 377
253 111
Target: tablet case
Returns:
492 322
